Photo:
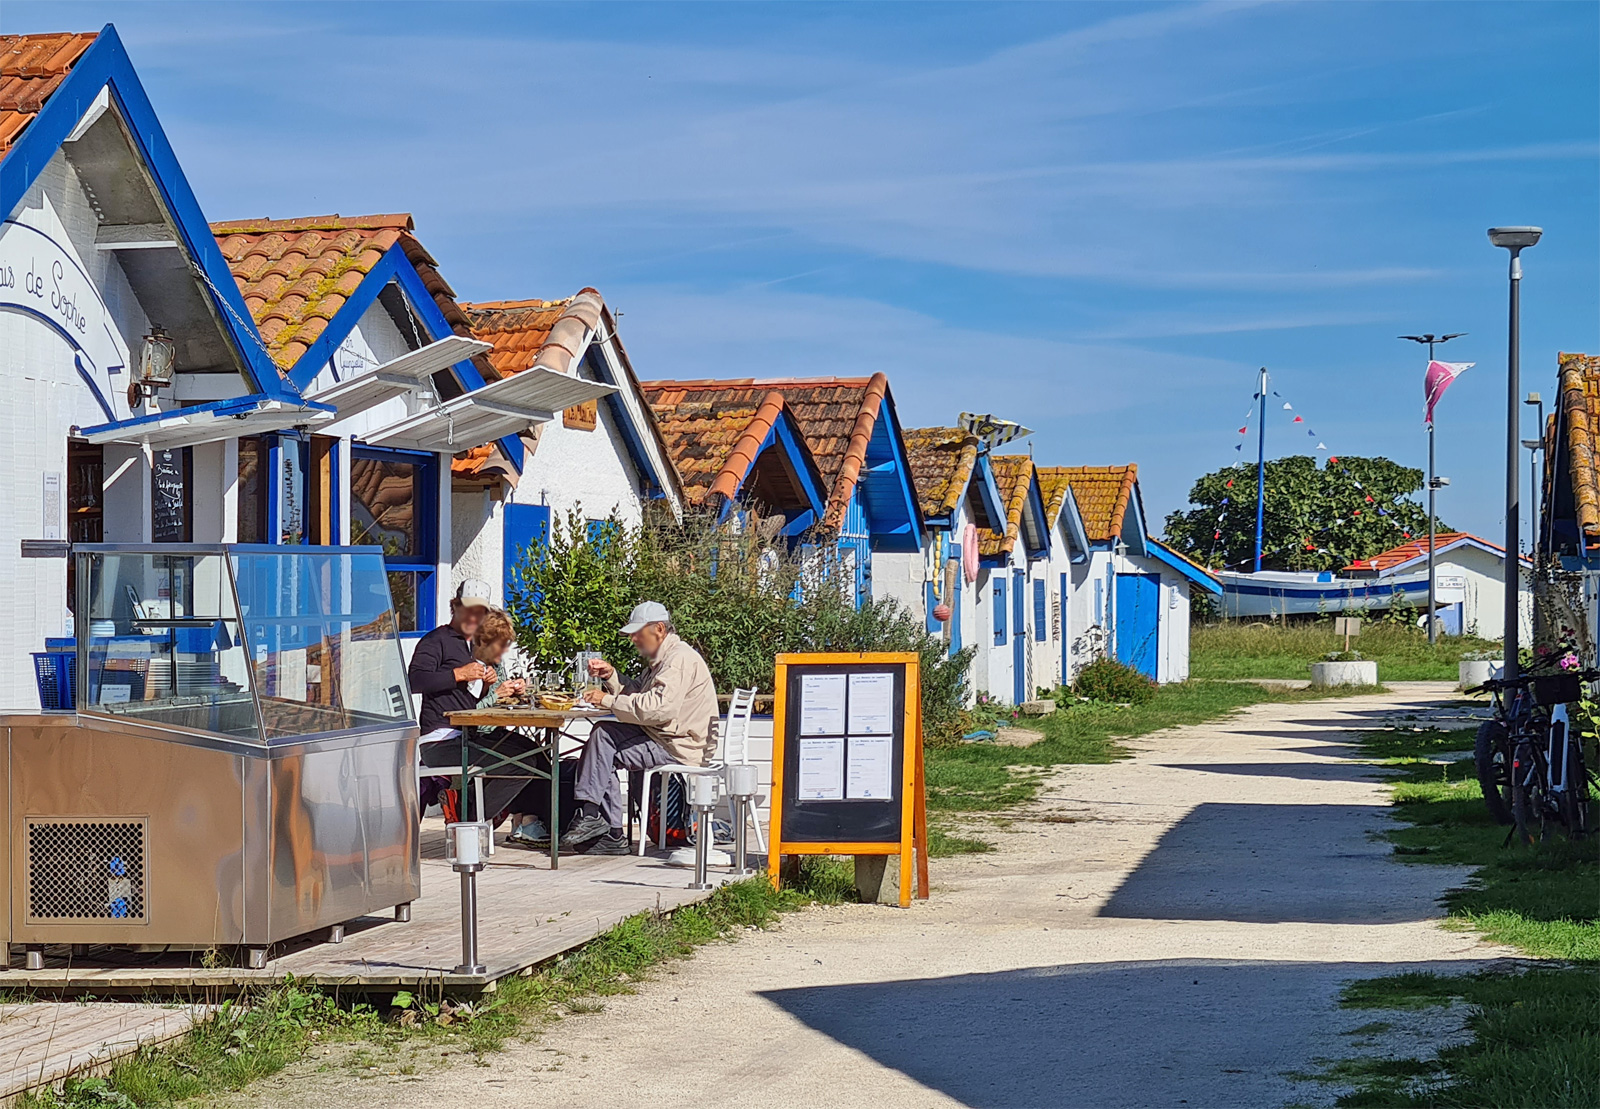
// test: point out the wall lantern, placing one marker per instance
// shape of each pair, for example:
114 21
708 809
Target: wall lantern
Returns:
156 360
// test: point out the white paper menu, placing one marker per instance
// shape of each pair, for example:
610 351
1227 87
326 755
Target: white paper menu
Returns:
871 704
821 770
871 773
822 704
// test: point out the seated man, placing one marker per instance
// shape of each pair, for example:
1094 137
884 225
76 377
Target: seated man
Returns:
663 716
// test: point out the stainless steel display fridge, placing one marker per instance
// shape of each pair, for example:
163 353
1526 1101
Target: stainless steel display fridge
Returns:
240 768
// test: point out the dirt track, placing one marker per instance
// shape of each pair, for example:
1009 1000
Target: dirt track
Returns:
1169 930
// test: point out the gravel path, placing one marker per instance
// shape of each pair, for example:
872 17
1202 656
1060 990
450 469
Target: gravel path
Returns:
1168 930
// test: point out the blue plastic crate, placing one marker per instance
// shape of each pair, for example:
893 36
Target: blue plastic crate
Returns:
57 673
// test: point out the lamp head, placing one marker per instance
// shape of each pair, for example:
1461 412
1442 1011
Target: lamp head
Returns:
1534 398
1514 238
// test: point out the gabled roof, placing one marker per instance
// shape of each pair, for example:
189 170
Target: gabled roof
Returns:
1103 494
716 443
1018 480
942 460
1407 555
297 274
31 68
56 86
1059 503
1579 390
849 427
1196 573
557 335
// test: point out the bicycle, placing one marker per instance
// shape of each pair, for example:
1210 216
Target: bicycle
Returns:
1530 765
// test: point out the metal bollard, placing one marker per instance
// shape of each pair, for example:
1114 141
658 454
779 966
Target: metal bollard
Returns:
702 799
466 845
743 780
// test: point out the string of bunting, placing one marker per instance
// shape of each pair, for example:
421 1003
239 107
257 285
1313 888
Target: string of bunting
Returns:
1297 422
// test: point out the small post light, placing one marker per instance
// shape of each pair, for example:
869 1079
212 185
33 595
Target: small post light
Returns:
742 781
466 848
157 358
702 799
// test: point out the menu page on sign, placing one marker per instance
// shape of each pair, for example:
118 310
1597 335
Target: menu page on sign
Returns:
822 704
821 770
871 774
871 704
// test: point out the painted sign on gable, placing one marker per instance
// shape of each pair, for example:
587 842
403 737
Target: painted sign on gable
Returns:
40 275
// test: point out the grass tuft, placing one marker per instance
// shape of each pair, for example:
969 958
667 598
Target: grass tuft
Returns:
1239 649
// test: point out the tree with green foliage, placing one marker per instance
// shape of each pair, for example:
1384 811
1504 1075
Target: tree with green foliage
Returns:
1316 518
572 590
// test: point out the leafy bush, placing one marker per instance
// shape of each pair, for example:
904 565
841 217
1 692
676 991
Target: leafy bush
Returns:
736 591
1108 680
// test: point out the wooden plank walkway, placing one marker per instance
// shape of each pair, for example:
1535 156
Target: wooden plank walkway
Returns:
44 1042
527 914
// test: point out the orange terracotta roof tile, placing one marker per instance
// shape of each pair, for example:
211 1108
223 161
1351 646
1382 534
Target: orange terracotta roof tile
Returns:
836 416
1418 548
1013 473
942 460
1103 494
713 441
295 274
32 67
1055 485
1579 390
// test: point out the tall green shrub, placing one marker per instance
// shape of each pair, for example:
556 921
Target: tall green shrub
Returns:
572 590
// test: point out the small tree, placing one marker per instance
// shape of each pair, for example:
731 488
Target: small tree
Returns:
572 590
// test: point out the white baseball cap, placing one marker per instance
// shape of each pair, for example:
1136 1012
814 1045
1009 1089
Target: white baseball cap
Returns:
646 612
473 593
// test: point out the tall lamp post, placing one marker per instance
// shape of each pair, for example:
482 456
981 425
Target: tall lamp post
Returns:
1535 401
1434 483
1515 240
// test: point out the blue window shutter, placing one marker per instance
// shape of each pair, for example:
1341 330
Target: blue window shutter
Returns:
1019 600
1041 617
525 525
999 608
930 600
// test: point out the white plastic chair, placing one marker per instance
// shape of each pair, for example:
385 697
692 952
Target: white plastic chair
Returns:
732 735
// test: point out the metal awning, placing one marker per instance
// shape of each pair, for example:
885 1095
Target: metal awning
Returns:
499 409
399 376
207 423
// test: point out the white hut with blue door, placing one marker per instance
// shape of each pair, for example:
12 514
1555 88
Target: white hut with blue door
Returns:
1131 596
356 313
956 488
1017 560
603 458
128 362
1059 653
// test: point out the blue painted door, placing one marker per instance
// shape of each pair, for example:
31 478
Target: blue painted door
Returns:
1138 621
1019 637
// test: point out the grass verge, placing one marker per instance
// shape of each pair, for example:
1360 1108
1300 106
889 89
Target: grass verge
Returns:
1536 1034
1236 649
261 1033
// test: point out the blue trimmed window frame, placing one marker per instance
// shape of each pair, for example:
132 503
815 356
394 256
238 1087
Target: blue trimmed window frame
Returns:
423 563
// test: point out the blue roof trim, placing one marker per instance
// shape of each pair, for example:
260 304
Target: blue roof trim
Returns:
1161 553
895 527
988 491
106 65
655 485
1077 531
233 406
1036 502
786 432
393 266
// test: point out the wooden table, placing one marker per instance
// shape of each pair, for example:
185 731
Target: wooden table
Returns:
545 727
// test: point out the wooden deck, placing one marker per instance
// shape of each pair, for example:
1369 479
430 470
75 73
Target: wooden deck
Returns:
47 1041
527 914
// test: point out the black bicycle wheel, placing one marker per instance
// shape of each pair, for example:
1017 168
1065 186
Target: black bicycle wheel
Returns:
1494 777
1576 801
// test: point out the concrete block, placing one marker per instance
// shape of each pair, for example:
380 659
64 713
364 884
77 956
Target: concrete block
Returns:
878 879
1037 708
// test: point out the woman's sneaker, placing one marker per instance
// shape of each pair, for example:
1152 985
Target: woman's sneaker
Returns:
530 833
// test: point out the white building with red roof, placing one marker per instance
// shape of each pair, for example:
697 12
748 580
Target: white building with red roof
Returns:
1469 582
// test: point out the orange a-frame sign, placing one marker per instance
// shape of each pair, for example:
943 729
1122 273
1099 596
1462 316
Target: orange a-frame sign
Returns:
847 766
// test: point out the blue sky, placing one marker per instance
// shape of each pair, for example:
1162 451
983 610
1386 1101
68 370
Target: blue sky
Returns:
1097 219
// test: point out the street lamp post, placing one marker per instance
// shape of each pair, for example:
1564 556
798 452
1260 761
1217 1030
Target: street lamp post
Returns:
1515 240
1434 483
1535 400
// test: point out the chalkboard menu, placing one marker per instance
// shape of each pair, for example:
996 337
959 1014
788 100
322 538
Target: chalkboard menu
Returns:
847 759
171 515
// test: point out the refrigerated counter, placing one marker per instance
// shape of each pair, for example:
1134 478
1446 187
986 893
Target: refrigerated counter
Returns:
241 765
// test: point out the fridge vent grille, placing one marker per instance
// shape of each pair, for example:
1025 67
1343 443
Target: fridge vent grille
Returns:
85 870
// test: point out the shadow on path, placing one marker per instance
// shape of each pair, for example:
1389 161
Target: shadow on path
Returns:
1198 1032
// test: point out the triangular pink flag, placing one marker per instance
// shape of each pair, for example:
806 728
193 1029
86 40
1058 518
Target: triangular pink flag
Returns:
1438 379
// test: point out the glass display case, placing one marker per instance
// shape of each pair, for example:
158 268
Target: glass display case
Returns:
256 643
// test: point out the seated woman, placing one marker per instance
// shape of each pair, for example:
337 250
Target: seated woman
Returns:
495 637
